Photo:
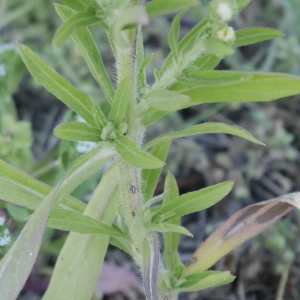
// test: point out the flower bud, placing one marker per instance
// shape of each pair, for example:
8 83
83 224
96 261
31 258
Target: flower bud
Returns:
222 11
227 35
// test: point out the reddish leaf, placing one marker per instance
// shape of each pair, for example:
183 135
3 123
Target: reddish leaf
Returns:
242 226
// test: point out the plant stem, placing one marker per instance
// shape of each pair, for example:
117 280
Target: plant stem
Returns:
130 177
143 242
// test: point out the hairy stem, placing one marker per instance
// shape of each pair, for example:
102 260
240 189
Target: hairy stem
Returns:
144 243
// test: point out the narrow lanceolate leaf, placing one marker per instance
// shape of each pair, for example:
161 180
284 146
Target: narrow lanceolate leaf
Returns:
74 4
78 5
242 226
57 85
150 177
169 228
72 221
20 259
186 45
136 157
166 100
78 131
207 62
152 116
205 128
250 36
141 78
174 35
99 117
120 102
243 37
171 239
261 87
76 21
162 7
83 168
242 4
19 188
140 51
88 250
193 202
205 280
89 50
213 78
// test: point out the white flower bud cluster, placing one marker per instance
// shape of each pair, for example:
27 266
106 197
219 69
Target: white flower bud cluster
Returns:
226 34
222 11
225 11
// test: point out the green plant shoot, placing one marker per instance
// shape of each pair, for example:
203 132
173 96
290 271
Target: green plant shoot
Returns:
126 190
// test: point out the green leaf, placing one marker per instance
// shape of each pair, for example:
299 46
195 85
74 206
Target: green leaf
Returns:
218 48
120 102
242 4
19 188
141 78
74 4
193 202
174 35
77 131
150 177
239 228
154 200
140 56
186 45
207 62
57 85
152 116
250 36
99 117
122 244
84 167
78 5
261 87
243 37
195 278
20 259
169 228
171 239
68 220
89 50
166 100
136 157
205 128
213 78
162 7
205 280
156 75
76 21
17 213
82 256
